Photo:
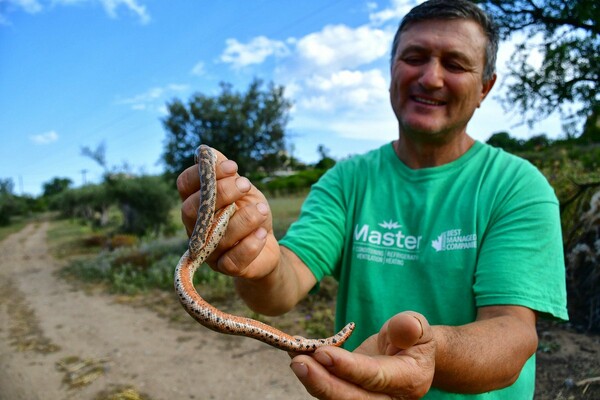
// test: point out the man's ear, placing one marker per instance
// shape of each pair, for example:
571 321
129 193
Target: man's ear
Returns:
486 88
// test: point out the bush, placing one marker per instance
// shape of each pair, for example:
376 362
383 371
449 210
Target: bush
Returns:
293 184
145 203
583 271
132 270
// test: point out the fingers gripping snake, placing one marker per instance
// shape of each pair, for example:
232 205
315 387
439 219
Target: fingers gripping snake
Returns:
208 231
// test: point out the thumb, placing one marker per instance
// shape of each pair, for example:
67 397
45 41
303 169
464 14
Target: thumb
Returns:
403 331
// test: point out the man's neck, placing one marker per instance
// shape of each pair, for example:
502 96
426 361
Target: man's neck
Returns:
421 154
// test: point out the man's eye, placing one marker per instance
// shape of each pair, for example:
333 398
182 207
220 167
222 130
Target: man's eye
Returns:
414 60
454 67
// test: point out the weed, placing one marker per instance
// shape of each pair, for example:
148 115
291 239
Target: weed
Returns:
548 347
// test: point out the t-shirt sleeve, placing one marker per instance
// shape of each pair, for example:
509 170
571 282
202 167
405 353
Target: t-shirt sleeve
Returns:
521 261
317 237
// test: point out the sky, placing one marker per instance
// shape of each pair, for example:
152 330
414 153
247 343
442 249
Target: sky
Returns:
85 73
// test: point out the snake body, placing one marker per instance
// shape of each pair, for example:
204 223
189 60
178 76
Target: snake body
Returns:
208 231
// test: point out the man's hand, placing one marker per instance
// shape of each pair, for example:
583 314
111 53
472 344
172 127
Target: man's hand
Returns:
249 250
250 229
396 363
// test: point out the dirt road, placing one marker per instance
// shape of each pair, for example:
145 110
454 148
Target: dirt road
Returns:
46 324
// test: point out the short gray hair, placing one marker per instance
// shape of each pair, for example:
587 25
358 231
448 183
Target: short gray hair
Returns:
455 9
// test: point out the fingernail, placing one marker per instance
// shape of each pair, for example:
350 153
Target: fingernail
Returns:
324 359
229 167
261 233
243 184
421 324
262 208
300 369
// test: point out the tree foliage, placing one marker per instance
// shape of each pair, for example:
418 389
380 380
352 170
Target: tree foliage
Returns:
8 204
55 186
12 205
248 127
89 203
145 203
566 33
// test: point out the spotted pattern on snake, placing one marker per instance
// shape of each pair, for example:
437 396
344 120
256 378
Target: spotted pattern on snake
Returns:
208 231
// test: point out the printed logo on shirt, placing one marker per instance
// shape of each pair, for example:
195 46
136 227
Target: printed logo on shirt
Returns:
454 240
386 243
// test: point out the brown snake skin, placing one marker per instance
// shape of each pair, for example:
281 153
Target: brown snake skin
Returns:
208 231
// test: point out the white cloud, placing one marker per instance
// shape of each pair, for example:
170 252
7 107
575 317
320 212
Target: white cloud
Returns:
254 52
397 10
344 89
198 69
44 138
153 98
110 7
339 46
375 122
29 6
9 6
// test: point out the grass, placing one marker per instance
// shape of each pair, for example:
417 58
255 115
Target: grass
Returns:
285 210
130 270
67 239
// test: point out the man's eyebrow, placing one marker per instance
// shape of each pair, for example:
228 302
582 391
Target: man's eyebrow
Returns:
415 48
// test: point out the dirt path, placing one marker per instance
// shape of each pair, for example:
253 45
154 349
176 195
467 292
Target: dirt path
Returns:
45 322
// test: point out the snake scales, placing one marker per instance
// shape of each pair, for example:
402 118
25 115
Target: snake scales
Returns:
208 231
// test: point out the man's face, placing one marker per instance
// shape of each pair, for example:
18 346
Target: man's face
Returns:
437 78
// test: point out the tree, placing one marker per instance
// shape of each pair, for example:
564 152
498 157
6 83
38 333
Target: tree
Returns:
98 155
567 35
504 141
537 142
248 127
145 203
90 203
8 204
326 161
6 186
55 186
591 129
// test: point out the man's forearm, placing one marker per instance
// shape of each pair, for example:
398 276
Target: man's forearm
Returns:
279 291
487 354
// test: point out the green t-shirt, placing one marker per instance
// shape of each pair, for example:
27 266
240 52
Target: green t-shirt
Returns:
482 230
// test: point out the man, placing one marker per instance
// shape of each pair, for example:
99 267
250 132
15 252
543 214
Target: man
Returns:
446 250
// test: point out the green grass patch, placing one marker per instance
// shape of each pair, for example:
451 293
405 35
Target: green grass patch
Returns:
285 211
131 269
70 238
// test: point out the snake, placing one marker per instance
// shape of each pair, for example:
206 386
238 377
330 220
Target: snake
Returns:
208 231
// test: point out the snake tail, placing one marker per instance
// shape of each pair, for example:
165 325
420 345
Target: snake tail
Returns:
219 321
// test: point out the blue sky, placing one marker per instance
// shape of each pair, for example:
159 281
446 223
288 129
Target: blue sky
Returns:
77 73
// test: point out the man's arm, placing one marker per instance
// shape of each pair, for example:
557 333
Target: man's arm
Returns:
489 353
485 355
288 283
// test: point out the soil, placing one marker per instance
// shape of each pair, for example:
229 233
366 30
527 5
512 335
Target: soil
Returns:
60 341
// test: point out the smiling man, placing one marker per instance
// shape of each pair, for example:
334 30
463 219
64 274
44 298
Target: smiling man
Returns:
446 250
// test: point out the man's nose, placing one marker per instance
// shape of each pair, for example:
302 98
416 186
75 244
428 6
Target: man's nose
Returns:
432 76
